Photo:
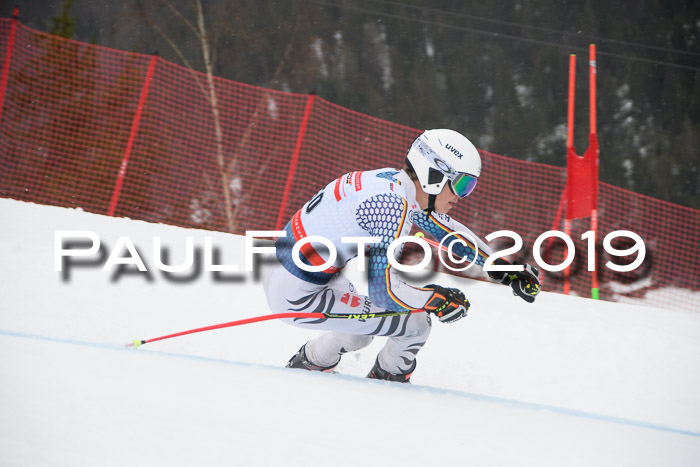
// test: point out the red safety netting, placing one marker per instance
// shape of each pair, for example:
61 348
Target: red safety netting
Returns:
133 135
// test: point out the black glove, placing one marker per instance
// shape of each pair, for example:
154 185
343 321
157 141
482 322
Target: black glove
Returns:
525 284
447 304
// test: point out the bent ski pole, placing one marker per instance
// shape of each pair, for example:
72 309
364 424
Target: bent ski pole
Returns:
136 343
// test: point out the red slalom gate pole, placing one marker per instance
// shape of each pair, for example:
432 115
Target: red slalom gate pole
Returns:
592 73
8 55
569 145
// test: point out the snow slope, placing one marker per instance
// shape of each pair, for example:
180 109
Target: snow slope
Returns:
565 381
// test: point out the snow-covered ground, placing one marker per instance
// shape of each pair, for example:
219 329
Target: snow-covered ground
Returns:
565 381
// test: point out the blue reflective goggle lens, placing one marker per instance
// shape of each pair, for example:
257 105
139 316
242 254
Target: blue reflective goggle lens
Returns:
463 184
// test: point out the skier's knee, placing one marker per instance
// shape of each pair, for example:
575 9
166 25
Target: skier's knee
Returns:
354 341
419 325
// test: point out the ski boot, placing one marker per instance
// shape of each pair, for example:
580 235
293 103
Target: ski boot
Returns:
378 373
300 361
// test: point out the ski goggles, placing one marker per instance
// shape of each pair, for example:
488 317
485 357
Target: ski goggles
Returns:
463 184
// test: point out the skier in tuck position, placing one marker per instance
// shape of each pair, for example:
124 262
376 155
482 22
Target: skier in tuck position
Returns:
442 166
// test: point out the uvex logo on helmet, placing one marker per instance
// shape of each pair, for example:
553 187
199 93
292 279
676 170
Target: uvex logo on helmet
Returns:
454 150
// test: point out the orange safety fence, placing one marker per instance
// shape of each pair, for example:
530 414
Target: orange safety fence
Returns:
135 136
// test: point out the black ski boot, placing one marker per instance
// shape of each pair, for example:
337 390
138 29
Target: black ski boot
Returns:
378 373
300 361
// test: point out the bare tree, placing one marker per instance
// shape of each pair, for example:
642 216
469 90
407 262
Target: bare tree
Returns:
208 89
208 54
203 33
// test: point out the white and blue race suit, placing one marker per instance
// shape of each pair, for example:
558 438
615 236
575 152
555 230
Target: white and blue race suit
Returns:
378 203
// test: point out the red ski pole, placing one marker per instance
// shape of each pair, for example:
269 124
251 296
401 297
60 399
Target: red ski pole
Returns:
136 343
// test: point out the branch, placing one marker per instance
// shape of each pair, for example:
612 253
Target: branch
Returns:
263 100
175 48
179 15
217 119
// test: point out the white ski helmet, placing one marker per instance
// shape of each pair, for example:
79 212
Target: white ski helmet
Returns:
439 156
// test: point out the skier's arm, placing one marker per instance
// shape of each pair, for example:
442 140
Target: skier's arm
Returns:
525 284
441 225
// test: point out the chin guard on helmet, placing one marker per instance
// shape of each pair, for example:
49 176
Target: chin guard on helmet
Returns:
431 204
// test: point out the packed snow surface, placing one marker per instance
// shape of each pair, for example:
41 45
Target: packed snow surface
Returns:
563 381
